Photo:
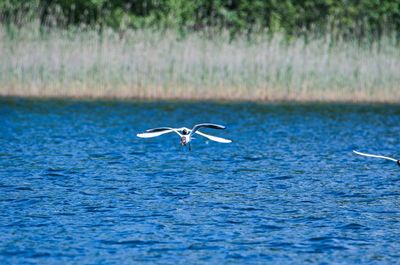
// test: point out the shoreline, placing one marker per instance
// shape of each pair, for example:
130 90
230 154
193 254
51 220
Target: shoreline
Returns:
209 99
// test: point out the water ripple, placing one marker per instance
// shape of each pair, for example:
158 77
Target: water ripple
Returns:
77 186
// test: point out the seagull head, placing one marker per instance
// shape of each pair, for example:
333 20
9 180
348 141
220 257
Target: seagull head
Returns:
183 140
185 132
398 162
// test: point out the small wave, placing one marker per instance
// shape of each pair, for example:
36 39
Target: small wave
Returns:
253 158
282 177
93 209
321 238
268 227
235 256
54 175
24 188
52 172
13 253
202 247
40 255
131 242
249 209
353 226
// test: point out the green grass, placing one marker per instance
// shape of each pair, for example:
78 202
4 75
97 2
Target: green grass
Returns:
156 65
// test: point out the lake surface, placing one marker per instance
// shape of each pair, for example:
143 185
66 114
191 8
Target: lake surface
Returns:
77 185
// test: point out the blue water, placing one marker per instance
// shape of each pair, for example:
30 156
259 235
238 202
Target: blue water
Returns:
77 185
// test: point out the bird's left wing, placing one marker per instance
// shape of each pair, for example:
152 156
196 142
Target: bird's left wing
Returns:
206 125
214 138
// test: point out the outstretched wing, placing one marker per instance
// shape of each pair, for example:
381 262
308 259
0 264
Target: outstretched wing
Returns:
377 156
214 138
206 125
157 132
159 129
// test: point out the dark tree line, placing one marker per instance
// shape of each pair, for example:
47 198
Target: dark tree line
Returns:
351 17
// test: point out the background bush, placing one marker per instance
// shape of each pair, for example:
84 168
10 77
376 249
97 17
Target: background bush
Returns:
343 17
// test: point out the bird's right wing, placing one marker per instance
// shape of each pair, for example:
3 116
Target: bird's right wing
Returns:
159 129
214 138
377 156
157 132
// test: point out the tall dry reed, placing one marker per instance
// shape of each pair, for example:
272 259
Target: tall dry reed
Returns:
148 64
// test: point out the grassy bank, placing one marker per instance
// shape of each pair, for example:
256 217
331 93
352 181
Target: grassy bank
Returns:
146 64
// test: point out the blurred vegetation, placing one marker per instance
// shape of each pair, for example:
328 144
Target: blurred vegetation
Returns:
351 18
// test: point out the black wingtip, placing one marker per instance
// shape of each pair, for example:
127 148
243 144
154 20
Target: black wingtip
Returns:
158 129
215 126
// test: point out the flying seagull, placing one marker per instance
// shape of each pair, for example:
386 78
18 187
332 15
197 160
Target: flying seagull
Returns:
378 156
186 134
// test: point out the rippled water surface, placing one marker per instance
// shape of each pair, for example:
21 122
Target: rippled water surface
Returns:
77 185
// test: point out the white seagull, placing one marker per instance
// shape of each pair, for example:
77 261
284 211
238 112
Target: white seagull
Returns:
378 156
186 134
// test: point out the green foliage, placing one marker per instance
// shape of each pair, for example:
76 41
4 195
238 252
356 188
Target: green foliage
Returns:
18 12
351 18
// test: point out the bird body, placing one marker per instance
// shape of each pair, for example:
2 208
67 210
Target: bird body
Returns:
186 134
